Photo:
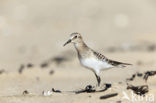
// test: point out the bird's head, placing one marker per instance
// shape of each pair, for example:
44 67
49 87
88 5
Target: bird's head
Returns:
74 38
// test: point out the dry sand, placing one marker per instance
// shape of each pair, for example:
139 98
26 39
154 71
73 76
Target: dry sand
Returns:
32 32
70 76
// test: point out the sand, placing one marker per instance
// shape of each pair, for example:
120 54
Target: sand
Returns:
32 34
70 76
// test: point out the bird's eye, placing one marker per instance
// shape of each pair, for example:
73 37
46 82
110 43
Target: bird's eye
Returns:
75 37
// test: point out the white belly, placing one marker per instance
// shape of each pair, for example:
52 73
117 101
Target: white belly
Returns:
95 64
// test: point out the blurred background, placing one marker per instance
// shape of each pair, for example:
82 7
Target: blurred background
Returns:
35 30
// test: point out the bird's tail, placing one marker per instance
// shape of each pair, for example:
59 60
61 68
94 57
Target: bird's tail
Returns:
126 64
116 63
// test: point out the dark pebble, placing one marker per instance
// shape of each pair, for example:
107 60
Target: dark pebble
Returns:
25 92
108 85
44 65
20 70
139 74
30 65
51 72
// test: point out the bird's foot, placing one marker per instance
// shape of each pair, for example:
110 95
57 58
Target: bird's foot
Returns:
104 86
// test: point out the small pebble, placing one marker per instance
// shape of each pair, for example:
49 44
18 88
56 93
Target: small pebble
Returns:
51 72
30 65
108 85
139 74
44 65
25 92
48 93
20 70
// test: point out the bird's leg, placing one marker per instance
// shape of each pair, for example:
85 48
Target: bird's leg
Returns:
98 79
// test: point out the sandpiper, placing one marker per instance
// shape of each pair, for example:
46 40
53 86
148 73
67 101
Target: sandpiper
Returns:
92 59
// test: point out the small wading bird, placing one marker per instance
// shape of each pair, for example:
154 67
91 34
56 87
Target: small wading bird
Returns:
92 59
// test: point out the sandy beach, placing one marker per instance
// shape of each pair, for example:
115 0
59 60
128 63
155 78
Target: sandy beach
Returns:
33 59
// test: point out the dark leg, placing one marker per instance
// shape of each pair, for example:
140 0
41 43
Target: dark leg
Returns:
98 79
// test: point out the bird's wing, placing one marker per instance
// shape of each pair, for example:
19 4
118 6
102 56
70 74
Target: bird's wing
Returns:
109 61
99 56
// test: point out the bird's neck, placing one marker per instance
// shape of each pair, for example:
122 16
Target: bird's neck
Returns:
81 47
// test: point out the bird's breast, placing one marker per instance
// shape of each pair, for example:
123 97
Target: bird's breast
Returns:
90 63
94 63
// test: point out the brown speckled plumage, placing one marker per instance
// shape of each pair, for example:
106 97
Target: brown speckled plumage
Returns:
112 62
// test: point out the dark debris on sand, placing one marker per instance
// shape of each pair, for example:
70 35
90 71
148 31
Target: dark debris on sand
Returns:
139 74
108 95
145 75
131 78
143 89
88 89
139 90
23 66
20 70
30 65
44 64
25 92
2 71
56 91
51 72
58 60
92 89
149 73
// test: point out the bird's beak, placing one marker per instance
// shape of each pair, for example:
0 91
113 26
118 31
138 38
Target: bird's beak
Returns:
69 41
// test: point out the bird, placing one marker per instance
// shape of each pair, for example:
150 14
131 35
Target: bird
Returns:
91 59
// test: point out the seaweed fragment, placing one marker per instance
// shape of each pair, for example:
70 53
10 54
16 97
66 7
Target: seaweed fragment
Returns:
149 73
139 90
108 95
92 89
131 78
56 91
20 70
